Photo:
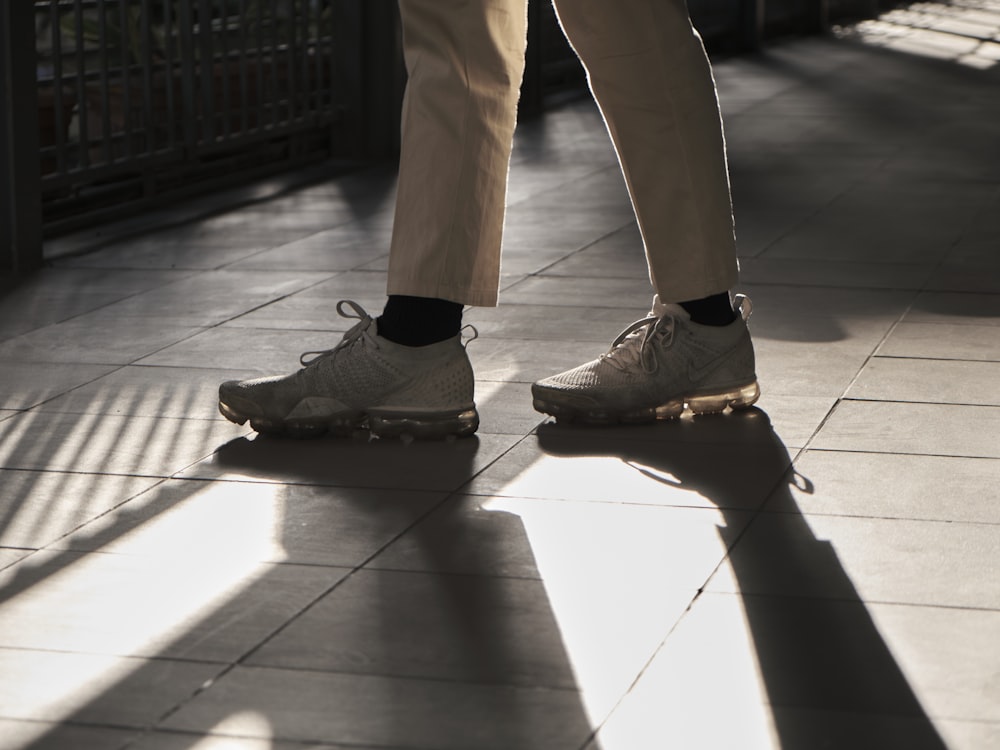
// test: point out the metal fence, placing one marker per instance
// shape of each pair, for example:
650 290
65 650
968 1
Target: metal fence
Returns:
134 95
109 104
113 104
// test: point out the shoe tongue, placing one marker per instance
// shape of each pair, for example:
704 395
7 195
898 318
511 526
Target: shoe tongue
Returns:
661 309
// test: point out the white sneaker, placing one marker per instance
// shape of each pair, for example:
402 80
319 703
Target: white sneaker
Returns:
656 368
366 381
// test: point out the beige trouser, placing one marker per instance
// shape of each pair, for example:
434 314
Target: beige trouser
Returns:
652 80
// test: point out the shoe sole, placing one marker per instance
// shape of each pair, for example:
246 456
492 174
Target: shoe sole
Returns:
383 423
716 402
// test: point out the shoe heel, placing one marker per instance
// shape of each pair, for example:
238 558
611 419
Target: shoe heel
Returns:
738 398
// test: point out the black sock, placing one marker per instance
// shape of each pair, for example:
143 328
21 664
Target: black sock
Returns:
419 321
716 310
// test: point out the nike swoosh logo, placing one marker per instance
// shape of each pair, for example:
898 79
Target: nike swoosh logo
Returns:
697 373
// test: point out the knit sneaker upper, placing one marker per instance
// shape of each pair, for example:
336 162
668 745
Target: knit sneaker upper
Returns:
364 371
658 359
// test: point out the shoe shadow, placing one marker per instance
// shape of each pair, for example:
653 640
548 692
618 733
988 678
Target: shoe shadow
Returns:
829 678
353 462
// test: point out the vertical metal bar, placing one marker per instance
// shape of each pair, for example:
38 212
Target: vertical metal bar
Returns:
305 51
59 93
241 10
81 83
275 88
291 61
224 66
150 124
754 14
185 32
125 28
169 74
205 65
328 66
261 62
20 181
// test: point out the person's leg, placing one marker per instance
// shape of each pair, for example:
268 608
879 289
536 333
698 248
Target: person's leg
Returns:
650 75
465 60
407 372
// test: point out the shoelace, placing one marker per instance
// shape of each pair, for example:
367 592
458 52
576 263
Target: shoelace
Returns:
359 333
631 348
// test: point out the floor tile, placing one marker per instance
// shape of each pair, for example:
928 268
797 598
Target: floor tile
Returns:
38 735
208 605
473 629
795 419
521 537
761 666
39 507
804 273
957 275
485 629
84 340
96 689
251 350
848 307
527 360
354 462
970 735
57 294
204 741
942 652
531 176
184 254
505 408
211 297
955 307
108 444
674 464
27 384
303 312
9 556
928 381
339 249
857 234
934 429
143 391
896 561
554 290
885 485
370 710
943 341
597 263
549 322
360 286
271 522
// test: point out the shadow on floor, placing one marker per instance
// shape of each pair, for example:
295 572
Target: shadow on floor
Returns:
819 653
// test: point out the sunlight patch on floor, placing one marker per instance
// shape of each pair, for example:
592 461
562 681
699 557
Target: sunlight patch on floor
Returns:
97 610
967 32
618 577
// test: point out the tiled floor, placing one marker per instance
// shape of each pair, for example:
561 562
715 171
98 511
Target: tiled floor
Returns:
821 572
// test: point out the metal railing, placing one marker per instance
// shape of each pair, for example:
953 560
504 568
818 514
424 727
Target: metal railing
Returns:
134 95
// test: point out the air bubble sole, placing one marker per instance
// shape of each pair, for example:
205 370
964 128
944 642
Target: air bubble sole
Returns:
383 423
711 402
